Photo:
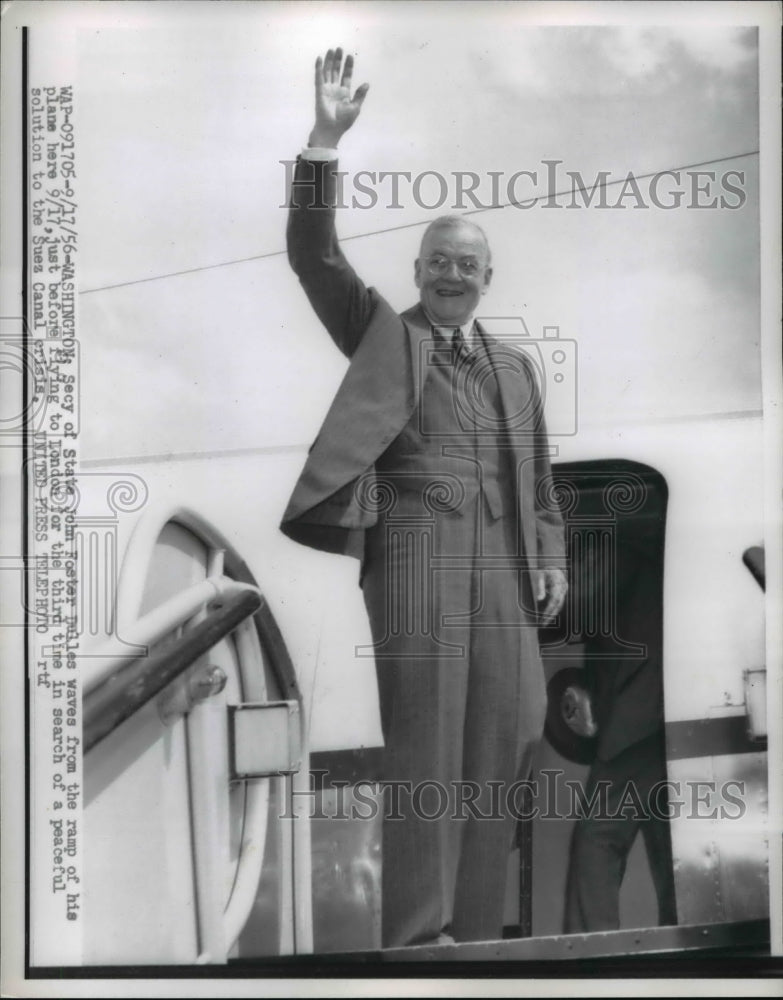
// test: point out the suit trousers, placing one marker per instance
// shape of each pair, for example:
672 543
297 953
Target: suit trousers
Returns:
636 801
462 700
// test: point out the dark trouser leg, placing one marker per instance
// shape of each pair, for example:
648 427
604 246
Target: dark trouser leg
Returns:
658 841
599 851
601 843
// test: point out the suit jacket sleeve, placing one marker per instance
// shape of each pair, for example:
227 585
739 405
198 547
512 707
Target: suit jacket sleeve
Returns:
339 297
550 537
549 520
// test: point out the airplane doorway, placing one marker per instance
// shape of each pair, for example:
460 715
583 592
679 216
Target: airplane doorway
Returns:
607 648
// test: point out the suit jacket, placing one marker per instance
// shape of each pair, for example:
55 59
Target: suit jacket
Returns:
381 389
628 695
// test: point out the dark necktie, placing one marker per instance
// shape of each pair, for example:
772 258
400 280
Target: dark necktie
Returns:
460 348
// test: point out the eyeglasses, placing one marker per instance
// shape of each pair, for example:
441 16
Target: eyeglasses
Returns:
439 263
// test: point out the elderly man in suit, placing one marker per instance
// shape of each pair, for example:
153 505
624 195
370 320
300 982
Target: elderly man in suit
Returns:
432 468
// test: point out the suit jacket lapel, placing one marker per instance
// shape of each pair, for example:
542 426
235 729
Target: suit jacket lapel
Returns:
513 387
417 329
374 402
521 414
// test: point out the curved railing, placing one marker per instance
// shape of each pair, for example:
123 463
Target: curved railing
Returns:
116 685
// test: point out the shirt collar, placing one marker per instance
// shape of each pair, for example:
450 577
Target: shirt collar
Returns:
469 332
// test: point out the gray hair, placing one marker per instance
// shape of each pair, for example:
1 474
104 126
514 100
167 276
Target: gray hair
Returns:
453 222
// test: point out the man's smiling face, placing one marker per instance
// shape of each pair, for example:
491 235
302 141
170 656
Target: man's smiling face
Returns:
450 298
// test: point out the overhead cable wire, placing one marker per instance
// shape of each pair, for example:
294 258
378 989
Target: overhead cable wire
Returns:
529 202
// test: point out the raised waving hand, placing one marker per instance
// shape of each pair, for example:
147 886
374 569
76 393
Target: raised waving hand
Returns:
335 109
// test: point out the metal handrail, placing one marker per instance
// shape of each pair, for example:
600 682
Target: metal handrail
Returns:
113 656
125 692
225 575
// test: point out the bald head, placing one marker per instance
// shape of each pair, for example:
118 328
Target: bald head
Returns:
454 222
453 270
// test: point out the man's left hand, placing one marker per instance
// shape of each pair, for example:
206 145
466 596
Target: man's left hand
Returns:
552 587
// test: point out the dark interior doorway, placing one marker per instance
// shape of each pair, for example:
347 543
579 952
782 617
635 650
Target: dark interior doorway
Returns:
609 639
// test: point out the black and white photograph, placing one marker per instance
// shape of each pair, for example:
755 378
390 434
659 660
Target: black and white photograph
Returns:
391 537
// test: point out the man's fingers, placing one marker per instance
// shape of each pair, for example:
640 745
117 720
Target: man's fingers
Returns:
331 65
336 63
347 73
553 586
328 59
559 591
361 93
327 71
558 588
550 610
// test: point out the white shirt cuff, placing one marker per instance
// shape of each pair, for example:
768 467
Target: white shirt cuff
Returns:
319 153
